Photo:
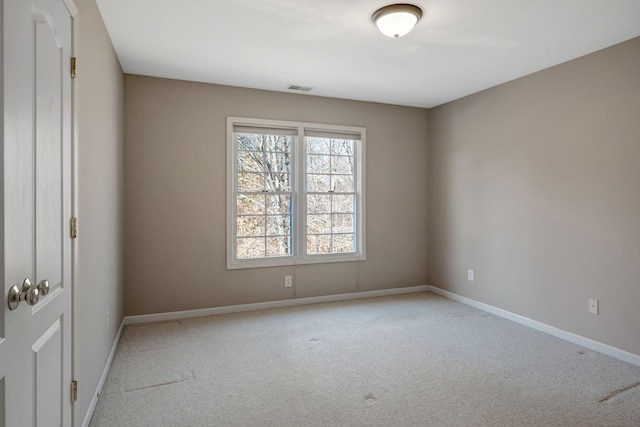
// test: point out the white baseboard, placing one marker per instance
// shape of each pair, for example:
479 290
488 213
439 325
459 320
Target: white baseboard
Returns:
608 350
175 315
103 378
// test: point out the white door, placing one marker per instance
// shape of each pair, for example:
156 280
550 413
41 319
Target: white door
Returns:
35 322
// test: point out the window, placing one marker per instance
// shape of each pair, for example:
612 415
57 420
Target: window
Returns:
295 193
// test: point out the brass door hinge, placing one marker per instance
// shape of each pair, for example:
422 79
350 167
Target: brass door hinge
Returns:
74 391
74 67
74 227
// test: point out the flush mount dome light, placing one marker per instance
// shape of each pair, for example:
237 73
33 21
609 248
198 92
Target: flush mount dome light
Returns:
396 20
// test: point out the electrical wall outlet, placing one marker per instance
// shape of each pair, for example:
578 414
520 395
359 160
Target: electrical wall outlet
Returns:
594 306
288 281
470 275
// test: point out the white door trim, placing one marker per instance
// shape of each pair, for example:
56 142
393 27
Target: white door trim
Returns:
75 38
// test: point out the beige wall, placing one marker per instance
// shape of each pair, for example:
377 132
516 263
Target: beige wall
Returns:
175 197
99 281
536 186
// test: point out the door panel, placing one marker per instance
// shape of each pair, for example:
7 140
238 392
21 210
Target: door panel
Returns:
47 357
48 148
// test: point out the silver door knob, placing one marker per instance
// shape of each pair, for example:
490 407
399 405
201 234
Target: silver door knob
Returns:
29 293
43 287
14 297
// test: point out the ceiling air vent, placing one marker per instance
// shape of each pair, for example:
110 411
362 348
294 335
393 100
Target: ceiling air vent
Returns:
300 88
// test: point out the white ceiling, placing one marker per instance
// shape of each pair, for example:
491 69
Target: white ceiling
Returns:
458 48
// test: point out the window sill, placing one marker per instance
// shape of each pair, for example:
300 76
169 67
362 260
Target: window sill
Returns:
288 261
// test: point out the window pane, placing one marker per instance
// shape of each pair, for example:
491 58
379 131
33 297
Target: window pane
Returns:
277 182
278 225
250 204
318 204
250 226
318 146
249 161
342 183
245 141
342 243
260 142
343 165
319 224
251 248
281 143
318 183
317 245
344 204
279 204
282 162
279 246
318 164
342 147
248 181
343 223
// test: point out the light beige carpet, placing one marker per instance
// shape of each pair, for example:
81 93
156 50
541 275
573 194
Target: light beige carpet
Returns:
412 360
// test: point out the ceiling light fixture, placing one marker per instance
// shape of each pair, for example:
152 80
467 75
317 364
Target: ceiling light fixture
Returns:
396 20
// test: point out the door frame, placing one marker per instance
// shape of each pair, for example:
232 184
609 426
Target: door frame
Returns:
76 418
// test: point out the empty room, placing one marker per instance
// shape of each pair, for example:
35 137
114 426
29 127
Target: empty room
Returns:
321 213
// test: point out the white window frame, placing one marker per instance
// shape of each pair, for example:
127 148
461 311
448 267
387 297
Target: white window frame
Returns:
298 189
